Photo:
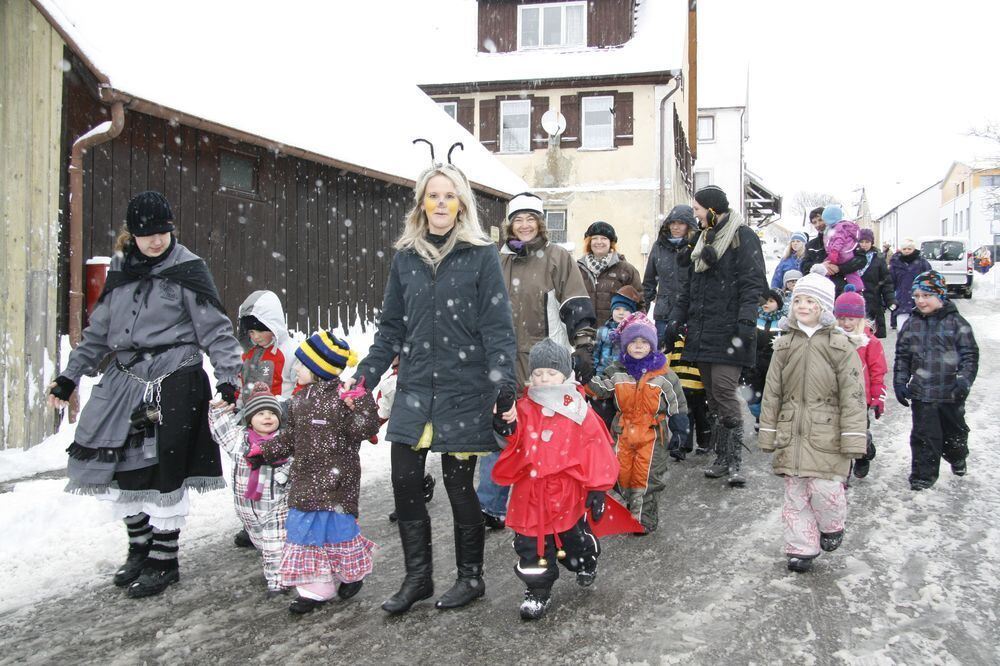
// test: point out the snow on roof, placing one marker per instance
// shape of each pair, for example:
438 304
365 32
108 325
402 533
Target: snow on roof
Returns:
297 73
657 46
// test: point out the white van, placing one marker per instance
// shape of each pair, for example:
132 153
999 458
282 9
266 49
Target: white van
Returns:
949 257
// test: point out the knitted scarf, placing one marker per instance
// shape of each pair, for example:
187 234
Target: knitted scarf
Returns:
254 490
597 266
719 238
637 367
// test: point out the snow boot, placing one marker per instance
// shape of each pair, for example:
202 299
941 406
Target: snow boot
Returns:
419 581
304 605
134 563
830 541
242 540
920 484
348 590
587 574
800 564
735 437
492 522
153 580
469 543
959 468
720 443
535 603
861 465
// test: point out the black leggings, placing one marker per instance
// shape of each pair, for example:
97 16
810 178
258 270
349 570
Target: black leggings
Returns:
408 485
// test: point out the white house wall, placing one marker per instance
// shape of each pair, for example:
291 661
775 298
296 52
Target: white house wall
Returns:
723 157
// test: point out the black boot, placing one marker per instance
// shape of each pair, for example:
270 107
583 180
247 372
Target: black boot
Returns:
535 603
800 564
720 467
133 565
419 581
242 540
153 580
348 590
735 437
469 541
831 541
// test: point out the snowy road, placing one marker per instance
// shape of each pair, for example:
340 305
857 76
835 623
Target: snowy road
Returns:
916 581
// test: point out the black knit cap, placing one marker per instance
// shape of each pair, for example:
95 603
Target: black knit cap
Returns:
682 213
713 197
602 229
148 214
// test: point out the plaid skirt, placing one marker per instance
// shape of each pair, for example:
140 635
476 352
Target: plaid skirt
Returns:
344 562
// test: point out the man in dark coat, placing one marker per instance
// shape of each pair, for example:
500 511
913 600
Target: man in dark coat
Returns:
816 253
879 292
720 310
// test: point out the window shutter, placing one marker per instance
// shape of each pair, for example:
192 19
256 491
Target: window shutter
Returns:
623 119
569 106
467 114
489 130
539 138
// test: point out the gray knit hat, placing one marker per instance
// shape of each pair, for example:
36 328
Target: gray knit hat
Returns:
260 398
550 354
818 287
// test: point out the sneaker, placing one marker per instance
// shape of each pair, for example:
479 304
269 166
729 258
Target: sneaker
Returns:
800 564
152 581
959 468
304 605
492 522
348 590
586 578
534 605
831 541
242 540
861 468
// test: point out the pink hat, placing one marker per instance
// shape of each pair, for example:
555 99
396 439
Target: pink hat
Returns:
636 325
849 304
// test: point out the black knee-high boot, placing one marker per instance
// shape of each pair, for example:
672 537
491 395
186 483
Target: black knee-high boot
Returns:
419 581
469 544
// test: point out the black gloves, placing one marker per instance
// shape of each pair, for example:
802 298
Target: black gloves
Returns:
64 388
679 429
227 391
505 400
583 364
902 394
595 504
962 387
746 330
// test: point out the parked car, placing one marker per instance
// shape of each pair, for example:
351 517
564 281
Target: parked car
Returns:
949 257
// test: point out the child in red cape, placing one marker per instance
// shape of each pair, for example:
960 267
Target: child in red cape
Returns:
559 462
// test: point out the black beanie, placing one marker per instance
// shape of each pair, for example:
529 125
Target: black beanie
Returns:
682 213
251 323
148 214
713 197
602 229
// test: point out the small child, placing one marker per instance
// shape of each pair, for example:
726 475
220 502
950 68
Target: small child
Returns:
849 309
813 417
325 554
840 239
272 351
259 492
697 404
606 348
646 393
559 463
768 316
937 360
790 280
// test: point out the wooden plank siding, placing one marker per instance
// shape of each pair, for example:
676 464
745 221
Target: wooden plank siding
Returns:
609 23
31 58
320 237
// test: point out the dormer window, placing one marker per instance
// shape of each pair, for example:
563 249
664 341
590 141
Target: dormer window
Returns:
552 24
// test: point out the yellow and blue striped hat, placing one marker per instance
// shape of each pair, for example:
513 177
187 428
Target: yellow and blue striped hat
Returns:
325 355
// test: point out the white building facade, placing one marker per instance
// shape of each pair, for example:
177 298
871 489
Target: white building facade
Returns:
912 218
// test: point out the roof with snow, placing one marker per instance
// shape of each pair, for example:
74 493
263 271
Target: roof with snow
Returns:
656 46
297 74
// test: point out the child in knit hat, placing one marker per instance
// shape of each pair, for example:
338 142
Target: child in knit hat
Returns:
559 463
937 360
606 348
259 491
769 313
813 417
788 283
647 393
849 309
325 554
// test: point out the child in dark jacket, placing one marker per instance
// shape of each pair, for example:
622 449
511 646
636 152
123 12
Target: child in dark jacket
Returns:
606 347
325 554
768 316
559 463
937 360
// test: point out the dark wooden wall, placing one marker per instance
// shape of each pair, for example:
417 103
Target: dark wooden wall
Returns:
319 237
609 22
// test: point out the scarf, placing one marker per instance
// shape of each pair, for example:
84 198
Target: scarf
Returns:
597 266
254 489
870 255
637 367
713 243
564 399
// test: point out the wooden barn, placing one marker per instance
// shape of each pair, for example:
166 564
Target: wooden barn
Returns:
278 194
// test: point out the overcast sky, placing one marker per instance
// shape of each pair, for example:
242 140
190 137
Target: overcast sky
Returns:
852 93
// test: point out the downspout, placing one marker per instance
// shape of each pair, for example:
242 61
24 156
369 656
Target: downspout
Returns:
102 133
678 80
743 169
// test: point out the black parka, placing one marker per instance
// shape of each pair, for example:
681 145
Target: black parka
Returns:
880 293
719 297
453 333
664 279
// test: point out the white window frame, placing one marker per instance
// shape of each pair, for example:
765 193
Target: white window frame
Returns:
707 116
450 105
583 121
565 226
541 24
708 172
504 104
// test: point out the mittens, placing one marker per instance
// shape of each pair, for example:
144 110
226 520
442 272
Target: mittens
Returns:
595 504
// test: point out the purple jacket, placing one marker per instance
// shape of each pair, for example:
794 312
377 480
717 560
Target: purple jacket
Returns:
903 273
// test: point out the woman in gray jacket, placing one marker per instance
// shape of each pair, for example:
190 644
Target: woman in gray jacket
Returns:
143 438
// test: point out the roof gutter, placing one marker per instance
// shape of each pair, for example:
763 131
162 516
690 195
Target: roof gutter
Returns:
678 81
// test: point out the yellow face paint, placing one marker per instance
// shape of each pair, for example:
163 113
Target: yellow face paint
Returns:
431 205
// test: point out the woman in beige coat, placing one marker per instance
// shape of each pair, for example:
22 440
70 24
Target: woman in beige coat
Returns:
813 416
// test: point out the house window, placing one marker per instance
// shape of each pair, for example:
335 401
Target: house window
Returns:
598 122
996 211
706 128
990 181
944 227
515 124
451 108
552 24
702 179
238 172
555 222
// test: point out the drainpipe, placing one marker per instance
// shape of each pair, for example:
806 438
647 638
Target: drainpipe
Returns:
102 133
678 81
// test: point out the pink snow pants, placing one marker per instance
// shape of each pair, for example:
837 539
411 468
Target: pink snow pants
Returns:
811 506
